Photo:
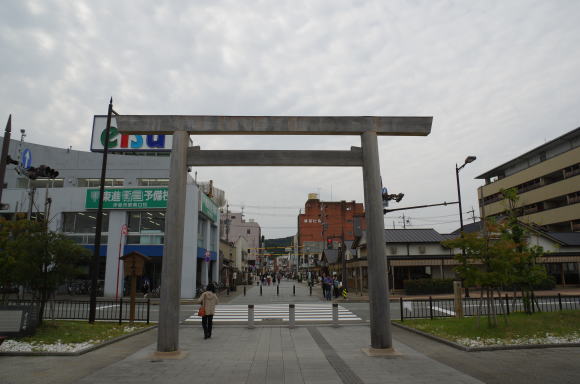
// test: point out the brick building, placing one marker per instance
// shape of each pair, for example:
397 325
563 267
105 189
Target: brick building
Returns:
323 224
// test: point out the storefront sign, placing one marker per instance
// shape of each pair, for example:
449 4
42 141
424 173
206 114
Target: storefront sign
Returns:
127 198
208 207
126 143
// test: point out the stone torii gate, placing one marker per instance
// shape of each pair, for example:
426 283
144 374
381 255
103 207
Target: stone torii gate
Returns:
366 156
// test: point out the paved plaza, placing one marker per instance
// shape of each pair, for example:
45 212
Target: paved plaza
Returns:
310 353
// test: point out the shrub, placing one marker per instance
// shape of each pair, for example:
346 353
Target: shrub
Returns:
428 286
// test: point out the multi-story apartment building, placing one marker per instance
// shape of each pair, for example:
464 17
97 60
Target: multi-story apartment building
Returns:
547 179
324 224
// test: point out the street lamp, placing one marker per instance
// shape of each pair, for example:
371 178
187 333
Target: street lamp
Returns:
468 159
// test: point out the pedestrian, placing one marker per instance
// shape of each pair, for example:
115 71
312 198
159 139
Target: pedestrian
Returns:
208 301
328 281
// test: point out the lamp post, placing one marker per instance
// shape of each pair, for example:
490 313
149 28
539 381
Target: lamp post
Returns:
468 159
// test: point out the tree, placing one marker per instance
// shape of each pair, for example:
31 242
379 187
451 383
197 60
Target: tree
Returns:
500 257
39 259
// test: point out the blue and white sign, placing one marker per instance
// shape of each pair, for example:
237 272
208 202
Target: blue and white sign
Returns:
26 158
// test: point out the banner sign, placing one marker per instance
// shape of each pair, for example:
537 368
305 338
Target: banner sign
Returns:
208 207
126 143
128 198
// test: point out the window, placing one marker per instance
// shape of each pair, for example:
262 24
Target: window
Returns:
201 233
248 231
393 250
82 182
153 182
146 222
422 249
83 222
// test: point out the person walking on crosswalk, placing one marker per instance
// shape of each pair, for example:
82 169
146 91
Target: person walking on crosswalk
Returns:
208 301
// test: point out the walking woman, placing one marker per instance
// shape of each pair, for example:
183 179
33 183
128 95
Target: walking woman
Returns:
208 301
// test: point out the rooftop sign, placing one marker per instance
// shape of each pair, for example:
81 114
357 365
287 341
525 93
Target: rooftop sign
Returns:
126 143
127 198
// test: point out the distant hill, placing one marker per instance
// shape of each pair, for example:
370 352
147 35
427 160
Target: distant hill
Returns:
282 243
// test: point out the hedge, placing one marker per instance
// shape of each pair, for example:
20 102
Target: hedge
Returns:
428 286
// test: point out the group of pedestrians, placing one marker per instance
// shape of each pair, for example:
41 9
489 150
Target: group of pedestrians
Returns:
269 279
331 286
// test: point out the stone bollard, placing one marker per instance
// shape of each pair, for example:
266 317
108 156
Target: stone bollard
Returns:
260 290
244 290
335 315
250 316
292 316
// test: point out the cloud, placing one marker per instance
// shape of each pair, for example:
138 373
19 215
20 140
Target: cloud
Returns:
498 77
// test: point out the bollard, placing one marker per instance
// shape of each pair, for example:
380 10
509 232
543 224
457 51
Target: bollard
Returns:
250 315
292 316
260 290
227 291
294 290
335 315
244 290
311 290
277 290
402 309
121 310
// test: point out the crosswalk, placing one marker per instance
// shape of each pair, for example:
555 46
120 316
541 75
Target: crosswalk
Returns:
280 312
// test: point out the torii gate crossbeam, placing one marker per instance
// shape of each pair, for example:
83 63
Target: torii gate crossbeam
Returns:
368 127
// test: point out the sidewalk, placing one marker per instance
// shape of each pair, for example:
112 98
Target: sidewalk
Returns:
306 355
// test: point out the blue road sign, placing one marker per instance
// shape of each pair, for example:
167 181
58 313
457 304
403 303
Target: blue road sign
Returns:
26 159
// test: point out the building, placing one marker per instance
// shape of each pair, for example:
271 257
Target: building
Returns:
547 179
323 225
418 253
234 226
134 211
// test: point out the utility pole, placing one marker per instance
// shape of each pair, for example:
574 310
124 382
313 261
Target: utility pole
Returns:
99 224
5 145
342 250
472 214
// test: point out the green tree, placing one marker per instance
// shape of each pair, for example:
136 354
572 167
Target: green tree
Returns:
41 260
500 257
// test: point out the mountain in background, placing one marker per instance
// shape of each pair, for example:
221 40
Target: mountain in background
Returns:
281 242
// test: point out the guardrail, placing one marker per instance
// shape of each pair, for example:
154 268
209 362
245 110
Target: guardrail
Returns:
438 308
107 310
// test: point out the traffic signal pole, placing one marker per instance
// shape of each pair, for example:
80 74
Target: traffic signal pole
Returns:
5 147
96 251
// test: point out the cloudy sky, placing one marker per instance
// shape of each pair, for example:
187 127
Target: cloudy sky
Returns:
498 77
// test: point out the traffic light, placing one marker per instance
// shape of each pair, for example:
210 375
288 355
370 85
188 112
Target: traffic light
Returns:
329 243
10 160
46 171
42 171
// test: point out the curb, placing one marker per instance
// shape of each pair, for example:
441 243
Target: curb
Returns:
483 349
83 351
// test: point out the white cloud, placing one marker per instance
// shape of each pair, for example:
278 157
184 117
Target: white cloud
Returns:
498 77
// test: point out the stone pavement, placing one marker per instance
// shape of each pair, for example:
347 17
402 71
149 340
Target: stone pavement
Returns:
311 354
317 355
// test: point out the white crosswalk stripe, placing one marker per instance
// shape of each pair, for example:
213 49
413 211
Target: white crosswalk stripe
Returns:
303 313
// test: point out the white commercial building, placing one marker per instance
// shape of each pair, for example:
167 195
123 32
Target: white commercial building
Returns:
134 210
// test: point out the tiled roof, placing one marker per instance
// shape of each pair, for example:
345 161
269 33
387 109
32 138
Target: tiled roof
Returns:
568 238
414 236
